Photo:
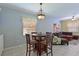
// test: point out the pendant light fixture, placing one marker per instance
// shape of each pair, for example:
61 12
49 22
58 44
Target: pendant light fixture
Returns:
41 15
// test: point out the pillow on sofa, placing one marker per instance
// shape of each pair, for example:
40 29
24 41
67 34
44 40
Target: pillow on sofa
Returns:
56 40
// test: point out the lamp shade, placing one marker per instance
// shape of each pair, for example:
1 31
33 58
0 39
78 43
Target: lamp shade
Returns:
41 16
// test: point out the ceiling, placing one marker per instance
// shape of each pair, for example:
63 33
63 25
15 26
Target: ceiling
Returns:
57 10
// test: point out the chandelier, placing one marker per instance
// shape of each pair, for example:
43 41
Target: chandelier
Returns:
40 15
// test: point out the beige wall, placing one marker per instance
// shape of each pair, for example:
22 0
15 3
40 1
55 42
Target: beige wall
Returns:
64 25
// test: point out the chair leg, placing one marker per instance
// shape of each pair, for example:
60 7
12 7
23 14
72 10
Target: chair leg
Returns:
27 49
51 51
67 43
46 52
37 47
37 53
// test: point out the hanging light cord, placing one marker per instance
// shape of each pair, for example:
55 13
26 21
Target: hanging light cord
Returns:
41 8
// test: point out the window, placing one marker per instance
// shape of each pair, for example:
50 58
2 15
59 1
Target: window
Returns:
29 25
73 27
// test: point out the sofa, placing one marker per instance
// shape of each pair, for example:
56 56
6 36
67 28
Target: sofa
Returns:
59 41
64 36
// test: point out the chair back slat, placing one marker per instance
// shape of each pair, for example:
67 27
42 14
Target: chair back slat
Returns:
49 38
28 38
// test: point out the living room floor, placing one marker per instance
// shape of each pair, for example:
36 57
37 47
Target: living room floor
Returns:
58 50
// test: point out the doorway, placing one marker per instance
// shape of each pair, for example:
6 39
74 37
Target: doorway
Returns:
29 25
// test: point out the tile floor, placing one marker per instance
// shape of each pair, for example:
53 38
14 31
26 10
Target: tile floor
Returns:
58 50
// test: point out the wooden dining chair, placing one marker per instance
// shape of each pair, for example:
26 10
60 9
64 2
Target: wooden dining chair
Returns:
29 44
41 44
48 44
35 38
